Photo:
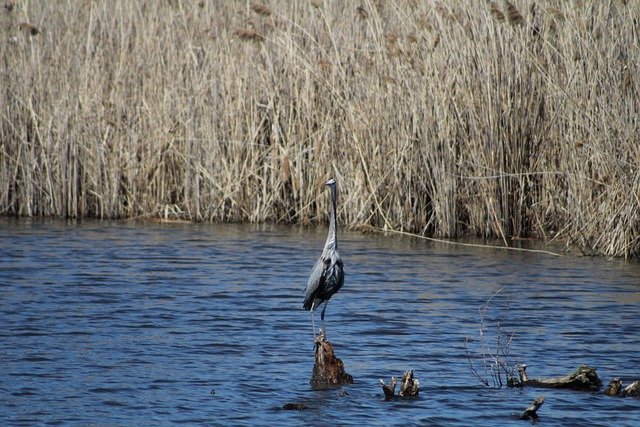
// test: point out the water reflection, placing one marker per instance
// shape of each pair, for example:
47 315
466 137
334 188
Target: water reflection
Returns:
136 323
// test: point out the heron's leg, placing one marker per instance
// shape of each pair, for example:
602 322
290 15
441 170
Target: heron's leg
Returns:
322 316
313 325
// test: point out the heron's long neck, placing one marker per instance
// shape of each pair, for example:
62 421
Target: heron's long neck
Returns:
332 241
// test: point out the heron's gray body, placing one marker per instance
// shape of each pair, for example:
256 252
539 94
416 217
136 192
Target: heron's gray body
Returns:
327 275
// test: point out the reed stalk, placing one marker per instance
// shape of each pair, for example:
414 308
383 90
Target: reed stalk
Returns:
444 118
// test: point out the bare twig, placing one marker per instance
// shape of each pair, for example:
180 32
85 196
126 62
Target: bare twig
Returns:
496 367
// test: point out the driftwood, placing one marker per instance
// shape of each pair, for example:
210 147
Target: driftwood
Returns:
615 389
409 386
531 412
328 369
584 378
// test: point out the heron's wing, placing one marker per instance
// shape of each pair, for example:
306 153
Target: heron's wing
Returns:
314 279
333 277
327 277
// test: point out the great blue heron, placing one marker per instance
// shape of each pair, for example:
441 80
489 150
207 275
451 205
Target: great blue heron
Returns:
327 276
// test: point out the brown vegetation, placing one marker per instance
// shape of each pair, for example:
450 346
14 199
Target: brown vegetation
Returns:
497 119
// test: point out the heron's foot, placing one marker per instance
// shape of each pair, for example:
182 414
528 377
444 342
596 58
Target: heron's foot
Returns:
320 338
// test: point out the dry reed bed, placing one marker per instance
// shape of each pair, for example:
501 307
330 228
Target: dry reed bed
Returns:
444 118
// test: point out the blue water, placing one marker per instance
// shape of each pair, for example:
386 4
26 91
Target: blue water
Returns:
133 323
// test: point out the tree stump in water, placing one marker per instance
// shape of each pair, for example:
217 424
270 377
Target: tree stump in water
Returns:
328 369
389 390
584 378
409 386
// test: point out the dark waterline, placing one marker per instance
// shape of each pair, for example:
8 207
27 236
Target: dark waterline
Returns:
131 323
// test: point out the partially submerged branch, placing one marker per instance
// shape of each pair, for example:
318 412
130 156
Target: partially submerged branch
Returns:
531 412
632 390
584 378
389 390
409 386
615 389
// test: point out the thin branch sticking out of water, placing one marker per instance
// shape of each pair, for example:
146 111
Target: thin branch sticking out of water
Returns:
496 368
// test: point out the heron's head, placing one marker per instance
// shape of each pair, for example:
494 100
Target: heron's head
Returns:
331 182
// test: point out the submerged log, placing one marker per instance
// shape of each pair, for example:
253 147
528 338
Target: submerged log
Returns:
531 412
584 378
409 386
328 369
295 407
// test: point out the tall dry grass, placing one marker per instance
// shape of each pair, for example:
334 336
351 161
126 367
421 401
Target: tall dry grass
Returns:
497 119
